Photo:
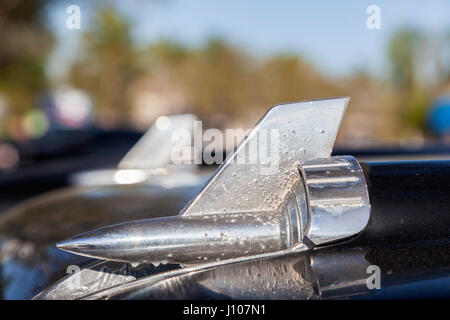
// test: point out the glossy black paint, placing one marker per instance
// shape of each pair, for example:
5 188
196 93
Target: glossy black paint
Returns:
408 234
410 202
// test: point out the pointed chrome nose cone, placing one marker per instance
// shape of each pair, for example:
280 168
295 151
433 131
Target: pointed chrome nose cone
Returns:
71 245
121 242
93 243
182 240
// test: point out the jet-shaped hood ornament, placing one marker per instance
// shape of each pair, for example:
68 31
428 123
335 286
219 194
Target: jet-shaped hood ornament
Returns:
149 160
279 191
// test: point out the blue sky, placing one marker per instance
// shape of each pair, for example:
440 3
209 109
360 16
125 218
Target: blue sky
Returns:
331 34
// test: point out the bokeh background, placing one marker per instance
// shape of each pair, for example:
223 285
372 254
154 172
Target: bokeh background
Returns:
225 61
74 101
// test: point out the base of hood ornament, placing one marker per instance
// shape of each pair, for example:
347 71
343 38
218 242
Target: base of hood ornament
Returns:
338 199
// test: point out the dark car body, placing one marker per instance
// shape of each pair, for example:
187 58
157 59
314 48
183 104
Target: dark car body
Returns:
407 238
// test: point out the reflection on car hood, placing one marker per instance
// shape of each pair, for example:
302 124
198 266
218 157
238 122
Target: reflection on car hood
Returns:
30 262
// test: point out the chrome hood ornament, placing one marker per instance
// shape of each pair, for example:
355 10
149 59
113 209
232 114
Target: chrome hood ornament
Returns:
149 160
279 191
143 155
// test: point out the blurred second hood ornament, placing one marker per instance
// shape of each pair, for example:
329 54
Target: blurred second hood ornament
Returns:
268 197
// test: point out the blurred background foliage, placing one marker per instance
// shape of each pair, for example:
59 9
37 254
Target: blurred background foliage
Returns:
225 86
25 45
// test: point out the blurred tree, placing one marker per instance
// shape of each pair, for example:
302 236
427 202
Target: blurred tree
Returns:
214 78
289 78
108 64
417 108
219 77
406 48
446 56
25 45
402 52
165 52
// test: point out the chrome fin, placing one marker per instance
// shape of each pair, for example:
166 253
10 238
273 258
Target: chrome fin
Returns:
298 131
